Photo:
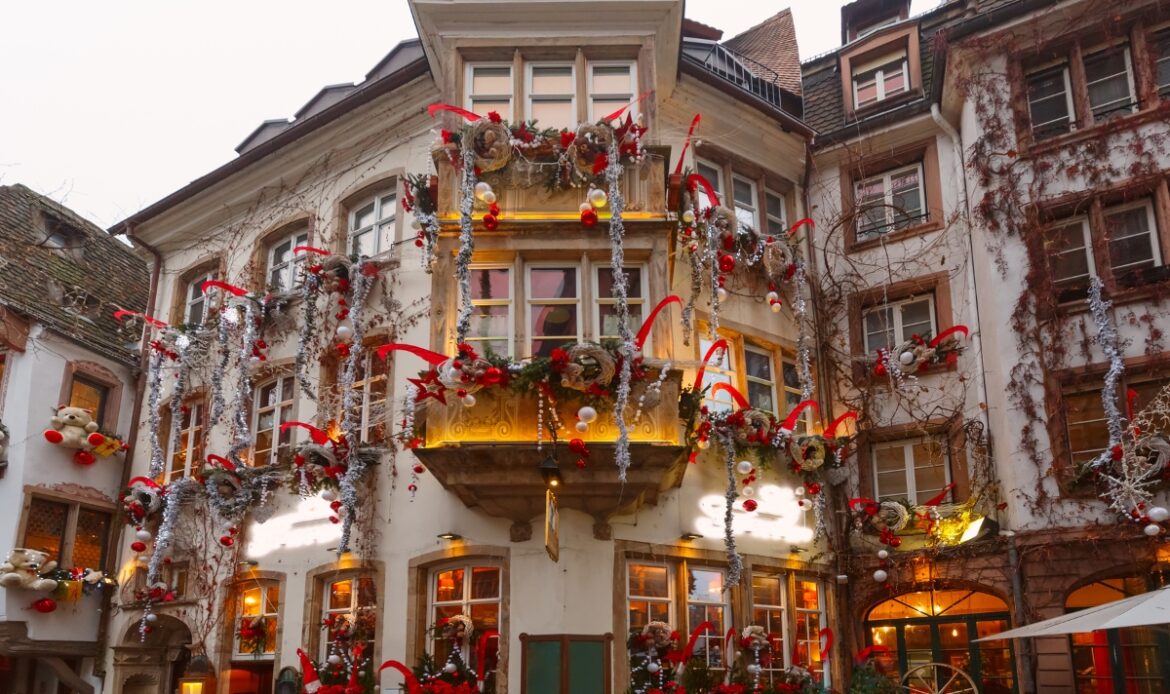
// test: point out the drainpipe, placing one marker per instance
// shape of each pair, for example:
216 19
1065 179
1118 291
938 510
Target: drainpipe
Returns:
1024 663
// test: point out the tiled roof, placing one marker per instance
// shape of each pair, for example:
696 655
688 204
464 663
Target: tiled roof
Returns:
772 43
699 30
824 105
73 290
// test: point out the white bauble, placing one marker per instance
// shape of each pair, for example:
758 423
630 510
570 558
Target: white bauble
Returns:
653 668
469 400
775 306
344 331
753 669
1152 529
772 297
415 224
482 189
743 467
582 427
598 198
449 668
907 358
334 659
721 293
1158 514
587 414
880 575
143 535
489 197
329 494
584 207
749 491
151 617
799 491
253 360
883 554
688 216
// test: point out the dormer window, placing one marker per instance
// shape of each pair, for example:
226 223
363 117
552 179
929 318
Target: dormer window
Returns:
879 79
867 29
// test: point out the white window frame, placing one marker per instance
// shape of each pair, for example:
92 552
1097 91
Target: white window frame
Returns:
530 97
822 620
261 585
782 220
724 604
748 379
909 466
465 602
380 220
590 95
375 371
1161 41
529 301
896 317
193 295
1087 238
296 237
780 661
1151 230
282 399
354 607
1068 99
754 211
879 76
470 97
724 367
671 572
599 300
510 302
1129 80
188 440
889 212
717 184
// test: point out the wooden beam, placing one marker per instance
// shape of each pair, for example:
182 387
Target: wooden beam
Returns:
67 675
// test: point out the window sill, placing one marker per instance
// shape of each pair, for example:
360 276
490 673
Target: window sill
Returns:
854 246
1155 112
1124 293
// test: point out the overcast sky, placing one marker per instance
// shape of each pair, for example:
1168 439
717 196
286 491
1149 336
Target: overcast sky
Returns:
108 106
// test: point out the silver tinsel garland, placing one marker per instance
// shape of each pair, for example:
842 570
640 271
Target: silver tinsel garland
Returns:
218 402
309 288
359 284
429 224
1111 345
617 232
711 251
241 430
466 243
800 309
183 349
734 560
178 494
153 411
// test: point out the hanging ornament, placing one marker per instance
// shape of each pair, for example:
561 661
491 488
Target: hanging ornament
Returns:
227 541
468 400
1158 514
1152 529
727 263
589 219
582 427
482 189
490 221
329 494
138 546
143 535
45 605
883 554
688 217
750 505
799 491
749 490
881 576
344 331
598 198
743 467
489 198
721 293
587 414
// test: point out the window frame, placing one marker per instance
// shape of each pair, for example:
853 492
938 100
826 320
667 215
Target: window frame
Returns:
781 660
293 397
510 337
910 466
468 565
324 589
374 370
191 446
530 301
782 220
240 590
716 184
1070 119
754 210
725 605
470 97
1090 256
297 234
737 347
669 600
1152 231
898 325
1159 42
63 554
106 391
879 77
1130 79
772 384
599 300
590 95
194 286
530 97
390 190
890 213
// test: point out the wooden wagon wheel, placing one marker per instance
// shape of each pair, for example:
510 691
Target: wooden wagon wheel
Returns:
937 678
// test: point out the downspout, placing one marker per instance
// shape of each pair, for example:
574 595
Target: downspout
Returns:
139 389
1027 681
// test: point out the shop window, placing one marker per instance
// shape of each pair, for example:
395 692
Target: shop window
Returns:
770 611
72 534
349 615
1135 659
274 404
810 619
890 324
371 224
473 590
913 469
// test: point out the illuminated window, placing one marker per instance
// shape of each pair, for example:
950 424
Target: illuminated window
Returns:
810 619
649 595
472 590
258 607
890 201
890 324
552 90
284 264
91 395
612 85
492 317
720 369
1118 660
187 452
759 377
915 469
350 615
554 305
275 404
371 225
605 325
489 88
72 534
760 372
770 610
707 602
880 79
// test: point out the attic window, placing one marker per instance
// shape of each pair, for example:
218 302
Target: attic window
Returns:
880 79
61 236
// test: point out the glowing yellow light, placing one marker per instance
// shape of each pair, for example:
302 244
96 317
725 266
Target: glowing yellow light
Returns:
955 633
251 600
877 637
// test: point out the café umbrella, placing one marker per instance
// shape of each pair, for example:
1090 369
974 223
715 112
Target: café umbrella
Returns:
1146 609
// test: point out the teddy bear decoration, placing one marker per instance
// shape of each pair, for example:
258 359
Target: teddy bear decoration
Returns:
23 569
73 427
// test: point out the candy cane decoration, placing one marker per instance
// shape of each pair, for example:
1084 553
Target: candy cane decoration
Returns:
826 637
319 437
718 344
737 396
790 421
686 143
806 222
311 249
429 356
696 180
618 113
947 333
412 685
644 331
467 115
221 461
230 288
831 430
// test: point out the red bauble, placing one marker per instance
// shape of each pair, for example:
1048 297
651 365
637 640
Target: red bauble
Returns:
491 376
45 605
84 458
138 546
419 469
494 209
750 505
727 263
227 541
334 520
490 221
581 463
418 242
589 219
336 504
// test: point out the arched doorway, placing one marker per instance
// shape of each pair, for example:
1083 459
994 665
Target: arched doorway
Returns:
938 626
152 665
1136 659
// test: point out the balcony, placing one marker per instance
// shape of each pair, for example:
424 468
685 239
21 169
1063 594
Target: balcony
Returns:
487 456
523 195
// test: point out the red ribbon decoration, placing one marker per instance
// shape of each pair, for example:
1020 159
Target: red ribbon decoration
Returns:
644 331
695 179
223 462
831 430
737 396
430 357
947 333
827 635
718 344
122 313
860 501
941 496
690 649
467 115
865 653
319 437
790 420
686 143
620 111
412 686
224 286
481 652
728 649
807 221
311 249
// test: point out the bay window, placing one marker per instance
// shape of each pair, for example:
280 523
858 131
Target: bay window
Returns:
890 324
349 614
472 589
605 317
491 314
554 306
284 264
551 89
489 88
372 225
612 85
552 93
880 79
890 201
912 469
274 404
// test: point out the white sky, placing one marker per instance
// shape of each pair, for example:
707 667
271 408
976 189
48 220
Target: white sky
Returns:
109 106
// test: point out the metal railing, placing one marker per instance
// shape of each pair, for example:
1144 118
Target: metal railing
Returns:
738 69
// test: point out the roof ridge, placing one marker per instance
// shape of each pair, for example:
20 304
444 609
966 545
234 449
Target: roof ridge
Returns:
786 10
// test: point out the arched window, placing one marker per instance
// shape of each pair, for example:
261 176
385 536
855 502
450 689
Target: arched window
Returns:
1119 660
939 626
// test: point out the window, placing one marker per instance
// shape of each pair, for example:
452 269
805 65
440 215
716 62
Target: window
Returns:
770 610
489 88
350 614
890 201
258 607
915 470
1050 102
649 595
707 602
760 372
1086 430
1109 79
810 619
491 314
1130 234
714 176
612 85
275 404
878 80
1161 45
371 226
1131 231
720 369
762 366
552 89
468 589
72 534
554 304
891 324
189 451
746 202
1070 255
369 385
284 265
173 576
195 302
777 220
91 395
605 325
1135 659
562 663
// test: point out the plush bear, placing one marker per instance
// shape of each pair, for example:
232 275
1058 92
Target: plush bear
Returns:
141 499
73 427
23 569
